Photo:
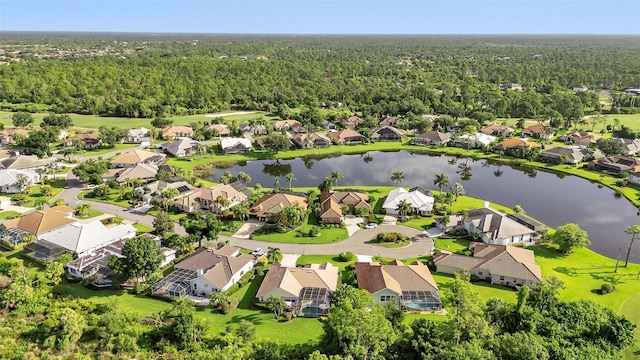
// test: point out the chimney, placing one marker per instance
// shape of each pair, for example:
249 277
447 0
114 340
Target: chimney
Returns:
200 272
486 204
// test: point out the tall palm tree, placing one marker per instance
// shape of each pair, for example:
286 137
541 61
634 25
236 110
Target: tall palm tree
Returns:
458 190
634 231
276 182
221 202
403 209
441 181
274 254
397 176
290 178
518 209
244 177
335 176
326 184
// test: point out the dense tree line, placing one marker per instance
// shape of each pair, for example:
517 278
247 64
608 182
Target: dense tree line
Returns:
41 319
376 75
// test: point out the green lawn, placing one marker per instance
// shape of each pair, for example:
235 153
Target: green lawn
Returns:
452 245
6 214
327 235
141 229
105 150
631 309
34 193
113 198
90 214
321 259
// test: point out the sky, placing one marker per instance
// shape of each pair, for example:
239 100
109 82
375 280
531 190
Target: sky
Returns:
325 16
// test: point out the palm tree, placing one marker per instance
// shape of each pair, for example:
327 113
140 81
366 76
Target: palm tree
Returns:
221 202
518 209
397 176
458 190
441 181
244 177
326 184
274 254
240 211
634 231
403 209
444 221
39 204
335 176
290 178
276 182
83 209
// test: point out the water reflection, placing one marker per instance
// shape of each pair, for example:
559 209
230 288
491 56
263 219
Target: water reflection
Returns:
546 196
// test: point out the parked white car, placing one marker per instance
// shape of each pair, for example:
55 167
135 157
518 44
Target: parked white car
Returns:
371 226
257 252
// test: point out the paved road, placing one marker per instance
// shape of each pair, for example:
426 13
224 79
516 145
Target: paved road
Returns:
421 243
82 158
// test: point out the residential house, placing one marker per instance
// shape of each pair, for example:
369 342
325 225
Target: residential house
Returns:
36 223
184 147
221 129
347 137
230 145
537 131
135 157
497 264
25 162
412 287
7 136
573 155
388 133
88 140
204 272
630 147
420 203
95 266
389 121
580 89
306 290
328 125
580 138
152 191
433 137
16 181
477 140
492 226
176 131
333 202
510 86
207 198
138 171
518 147
79 238
293 126
634 178
257 129
498 130
138 136
616 164
312 141
272 203
352 122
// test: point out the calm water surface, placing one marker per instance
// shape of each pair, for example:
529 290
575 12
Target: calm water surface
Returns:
553 199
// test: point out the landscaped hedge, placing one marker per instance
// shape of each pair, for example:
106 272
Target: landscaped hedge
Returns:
346 256
389 238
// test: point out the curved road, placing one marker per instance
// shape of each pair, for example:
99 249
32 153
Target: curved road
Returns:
421 243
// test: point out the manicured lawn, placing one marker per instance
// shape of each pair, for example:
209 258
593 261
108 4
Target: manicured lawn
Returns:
175 216
452 245
34 193
321 259
631 309
327 235
419 222
141 229
90 214
6 214
114 198
104 150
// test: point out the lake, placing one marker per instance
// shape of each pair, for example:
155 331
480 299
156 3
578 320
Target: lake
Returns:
554 199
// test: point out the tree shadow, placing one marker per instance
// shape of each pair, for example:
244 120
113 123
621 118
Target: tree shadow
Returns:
601 273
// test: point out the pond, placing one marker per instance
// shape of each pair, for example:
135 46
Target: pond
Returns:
554 199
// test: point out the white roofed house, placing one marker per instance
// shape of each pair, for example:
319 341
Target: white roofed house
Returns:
184 147
421 203
230 145
493 226
16 181
478 140
138 136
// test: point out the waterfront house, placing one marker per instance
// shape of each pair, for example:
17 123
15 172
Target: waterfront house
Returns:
420 203
388 133
347 137
183 147
537 131
498 130
433 137
616 164
573 155
229 145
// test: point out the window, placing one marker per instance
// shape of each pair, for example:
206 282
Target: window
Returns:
195 286
480 273
501 278
386 298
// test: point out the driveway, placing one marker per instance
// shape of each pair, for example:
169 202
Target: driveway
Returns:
389 220
352 224
249 227
19 209
289 260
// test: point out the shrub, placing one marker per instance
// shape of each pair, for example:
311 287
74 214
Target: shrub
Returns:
607 288
228 307
346 256
113 184
61 291
314 231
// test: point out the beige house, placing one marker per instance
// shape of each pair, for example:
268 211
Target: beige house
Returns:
412 286
333 201
221 129
497 264
204 272
207 198
306 290
347 137
37 223
431 138
176 131
273 203
135 157
138 171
